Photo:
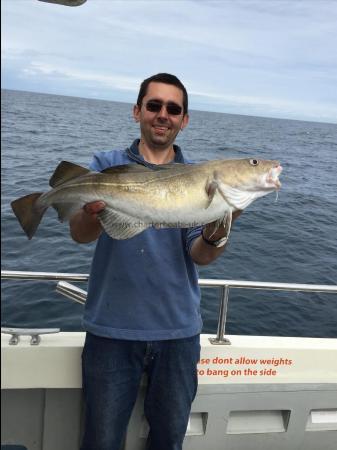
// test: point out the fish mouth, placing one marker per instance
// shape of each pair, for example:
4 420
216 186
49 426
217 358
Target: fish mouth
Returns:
272 179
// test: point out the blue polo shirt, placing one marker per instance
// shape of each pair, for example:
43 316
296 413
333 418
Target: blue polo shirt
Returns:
146 287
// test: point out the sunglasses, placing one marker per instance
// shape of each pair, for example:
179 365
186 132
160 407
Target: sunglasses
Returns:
156 105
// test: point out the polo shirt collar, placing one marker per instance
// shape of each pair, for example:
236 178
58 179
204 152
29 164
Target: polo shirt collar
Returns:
133 153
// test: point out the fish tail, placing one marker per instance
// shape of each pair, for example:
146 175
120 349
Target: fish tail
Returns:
28 213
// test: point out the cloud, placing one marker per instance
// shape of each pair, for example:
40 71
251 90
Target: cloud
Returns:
278 106
109 81
259 57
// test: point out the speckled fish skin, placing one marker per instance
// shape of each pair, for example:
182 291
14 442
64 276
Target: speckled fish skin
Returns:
136 197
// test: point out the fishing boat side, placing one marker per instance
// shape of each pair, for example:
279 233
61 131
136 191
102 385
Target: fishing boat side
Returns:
257 393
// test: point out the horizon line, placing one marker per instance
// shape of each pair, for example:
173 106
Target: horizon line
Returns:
194 109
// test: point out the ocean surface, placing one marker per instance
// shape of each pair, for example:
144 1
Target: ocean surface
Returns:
293 239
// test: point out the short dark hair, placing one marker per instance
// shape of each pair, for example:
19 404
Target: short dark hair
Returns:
166 78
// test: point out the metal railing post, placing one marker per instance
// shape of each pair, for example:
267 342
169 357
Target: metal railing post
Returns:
220 339
72 292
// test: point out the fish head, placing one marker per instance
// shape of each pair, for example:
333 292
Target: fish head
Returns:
266 176
252 174
243 180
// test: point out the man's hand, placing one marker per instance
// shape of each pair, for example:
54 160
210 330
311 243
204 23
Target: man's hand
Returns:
94 208
203 253
84 225
213 234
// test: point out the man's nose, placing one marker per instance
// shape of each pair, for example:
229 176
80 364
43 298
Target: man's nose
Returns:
163 114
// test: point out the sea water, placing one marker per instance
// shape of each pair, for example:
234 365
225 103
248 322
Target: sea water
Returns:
292 239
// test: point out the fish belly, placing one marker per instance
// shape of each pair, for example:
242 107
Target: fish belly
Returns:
178 215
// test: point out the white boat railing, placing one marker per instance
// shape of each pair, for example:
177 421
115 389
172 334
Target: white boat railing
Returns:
79 295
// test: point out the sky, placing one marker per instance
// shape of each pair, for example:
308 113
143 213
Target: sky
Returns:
269 58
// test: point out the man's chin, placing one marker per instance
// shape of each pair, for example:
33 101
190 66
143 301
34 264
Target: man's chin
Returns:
161 141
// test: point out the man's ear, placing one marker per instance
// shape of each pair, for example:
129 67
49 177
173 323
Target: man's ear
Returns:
136 113
184 122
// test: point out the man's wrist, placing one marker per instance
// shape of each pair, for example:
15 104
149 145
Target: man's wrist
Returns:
215 243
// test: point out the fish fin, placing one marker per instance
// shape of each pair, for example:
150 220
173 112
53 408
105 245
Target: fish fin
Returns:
211 188
27 213
226 222
66 171
120 226
65 210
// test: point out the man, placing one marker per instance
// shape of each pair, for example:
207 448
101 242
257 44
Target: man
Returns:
143 308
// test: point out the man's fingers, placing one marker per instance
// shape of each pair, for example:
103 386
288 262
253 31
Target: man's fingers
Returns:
94 207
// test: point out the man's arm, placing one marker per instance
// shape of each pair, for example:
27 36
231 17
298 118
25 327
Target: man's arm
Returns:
203 253
84 225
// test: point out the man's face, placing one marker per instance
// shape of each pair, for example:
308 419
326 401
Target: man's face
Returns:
159 129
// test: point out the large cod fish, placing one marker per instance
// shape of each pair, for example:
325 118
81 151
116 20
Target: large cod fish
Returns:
137 197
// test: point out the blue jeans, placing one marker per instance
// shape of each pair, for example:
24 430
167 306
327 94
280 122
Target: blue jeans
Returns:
112 371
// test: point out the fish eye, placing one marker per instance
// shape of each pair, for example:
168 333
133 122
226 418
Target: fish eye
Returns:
254 162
